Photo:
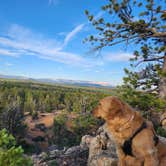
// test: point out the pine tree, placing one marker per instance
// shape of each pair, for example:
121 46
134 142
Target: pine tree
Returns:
141 23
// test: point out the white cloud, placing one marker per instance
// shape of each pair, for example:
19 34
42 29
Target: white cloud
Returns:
99 15
103 83
117 56
8 53
53 2
8 64
78 28
62 33
71 34
22 41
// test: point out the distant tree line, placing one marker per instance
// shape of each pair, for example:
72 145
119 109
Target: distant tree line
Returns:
17 98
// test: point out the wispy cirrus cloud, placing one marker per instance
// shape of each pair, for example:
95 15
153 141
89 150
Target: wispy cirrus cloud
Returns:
117 56
21 41
8 53
53 2
71 34
8 64
99 15
78 29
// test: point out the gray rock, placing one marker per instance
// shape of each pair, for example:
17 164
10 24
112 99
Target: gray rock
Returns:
52 147
163 120
104 160
162 139
102 150
73 149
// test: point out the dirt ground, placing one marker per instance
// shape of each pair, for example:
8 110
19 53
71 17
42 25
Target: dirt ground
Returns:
39 130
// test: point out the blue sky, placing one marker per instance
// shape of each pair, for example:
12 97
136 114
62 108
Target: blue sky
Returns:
43 39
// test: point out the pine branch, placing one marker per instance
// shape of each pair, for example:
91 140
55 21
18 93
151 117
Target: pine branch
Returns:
148 60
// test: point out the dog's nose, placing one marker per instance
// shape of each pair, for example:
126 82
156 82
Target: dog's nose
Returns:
95 113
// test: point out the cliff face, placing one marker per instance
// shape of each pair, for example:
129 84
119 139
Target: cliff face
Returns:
92 151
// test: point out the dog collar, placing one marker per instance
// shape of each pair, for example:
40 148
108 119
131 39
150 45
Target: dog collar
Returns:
129 120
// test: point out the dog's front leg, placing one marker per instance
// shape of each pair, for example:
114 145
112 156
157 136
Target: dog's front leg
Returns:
151 160
121 156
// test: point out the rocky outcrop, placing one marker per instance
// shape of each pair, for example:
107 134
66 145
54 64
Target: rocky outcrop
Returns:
74 156
92 151
96 150
102 150
163 120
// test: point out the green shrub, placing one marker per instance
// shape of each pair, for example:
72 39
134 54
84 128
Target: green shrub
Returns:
71 135
62 137
83 123
52 163
142 101
160 131
10 154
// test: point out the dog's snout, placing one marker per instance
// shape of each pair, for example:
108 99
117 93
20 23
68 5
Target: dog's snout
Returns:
95 112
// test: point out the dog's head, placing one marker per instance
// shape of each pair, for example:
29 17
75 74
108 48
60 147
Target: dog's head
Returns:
108 108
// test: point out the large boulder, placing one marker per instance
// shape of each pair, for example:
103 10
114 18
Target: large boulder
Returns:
163 120
74 156
102 151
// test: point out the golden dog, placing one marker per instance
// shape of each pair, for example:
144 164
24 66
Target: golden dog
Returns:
137 144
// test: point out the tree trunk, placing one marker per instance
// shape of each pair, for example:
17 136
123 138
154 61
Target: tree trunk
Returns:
162 86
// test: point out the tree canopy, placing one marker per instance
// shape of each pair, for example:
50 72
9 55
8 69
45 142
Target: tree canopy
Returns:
138 23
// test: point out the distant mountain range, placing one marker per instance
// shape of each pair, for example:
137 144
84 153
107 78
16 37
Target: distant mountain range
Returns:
59 81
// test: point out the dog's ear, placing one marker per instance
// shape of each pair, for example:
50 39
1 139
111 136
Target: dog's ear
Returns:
116 107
